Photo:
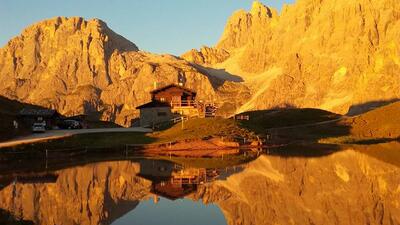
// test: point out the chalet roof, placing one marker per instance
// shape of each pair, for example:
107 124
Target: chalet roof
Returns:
170 86
38 112
154 104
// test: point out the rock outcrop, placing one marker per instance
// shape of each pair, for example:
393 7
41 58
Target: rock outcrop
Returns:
325 54
206 56
78 66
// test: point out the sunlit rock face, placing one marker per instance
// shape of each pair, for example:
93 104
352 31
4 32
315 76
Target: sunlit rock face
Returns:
348 187
78 66
334 55
325 54
91 194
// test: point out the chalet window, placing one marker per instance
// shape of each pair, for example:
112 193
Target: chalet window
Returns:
161 114
162 99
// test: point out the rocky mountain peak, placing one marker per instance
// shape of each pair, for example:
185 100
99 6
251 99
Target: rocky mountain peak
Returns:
316 53
260 10
65 27
242 26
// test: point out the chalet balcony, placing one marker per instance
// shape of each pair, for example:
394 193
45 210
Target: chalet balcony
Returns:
184 104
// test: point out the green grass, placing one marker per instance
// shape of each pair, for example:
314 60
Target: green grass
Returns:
294 124
96 140
193 129
203 128
92 124
265 119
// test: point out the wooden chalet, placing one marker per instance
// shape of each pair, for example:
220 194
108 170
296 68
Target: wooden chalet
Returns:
176 95
168 102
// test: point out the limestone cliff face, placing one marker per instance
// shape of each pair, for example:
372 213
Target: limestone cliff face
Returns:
206 56
344 188
324 54
332 55
78 66
92 194
58 56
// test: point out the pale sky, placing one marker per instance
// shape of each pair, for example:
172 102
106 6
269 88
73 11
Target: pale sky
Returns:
159 26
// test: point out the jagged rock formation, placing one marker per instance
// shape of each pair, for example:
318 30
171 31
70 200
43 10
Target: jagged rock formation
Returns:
321 54
92 194
324 54
206 56
344 188
78 66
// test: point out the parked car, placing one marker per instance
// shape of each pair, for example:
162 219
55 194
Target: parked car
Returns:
38 128
70 124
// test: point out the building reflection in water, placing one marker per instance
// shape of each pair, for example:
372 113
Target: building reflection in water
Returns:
174 181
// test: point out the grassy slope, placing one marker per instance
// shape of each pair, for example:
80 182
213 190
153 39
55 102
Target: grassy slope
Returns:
203 128
265 119
92 124
193 129
296 124
383 122
379 125
94 140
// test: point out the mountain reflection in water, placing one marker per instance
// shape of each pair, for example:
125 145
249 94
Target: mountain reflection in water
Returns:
360 185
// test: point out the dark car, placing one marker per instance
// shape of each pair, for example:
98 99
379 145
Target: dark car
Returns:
38 128
70 124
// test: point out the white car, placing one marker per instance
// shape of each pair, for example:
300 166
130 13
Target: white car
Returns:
38 128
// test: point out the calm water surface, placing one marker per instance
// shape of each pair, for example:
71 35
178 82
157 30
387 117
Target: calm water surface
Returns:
353 185
178 212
